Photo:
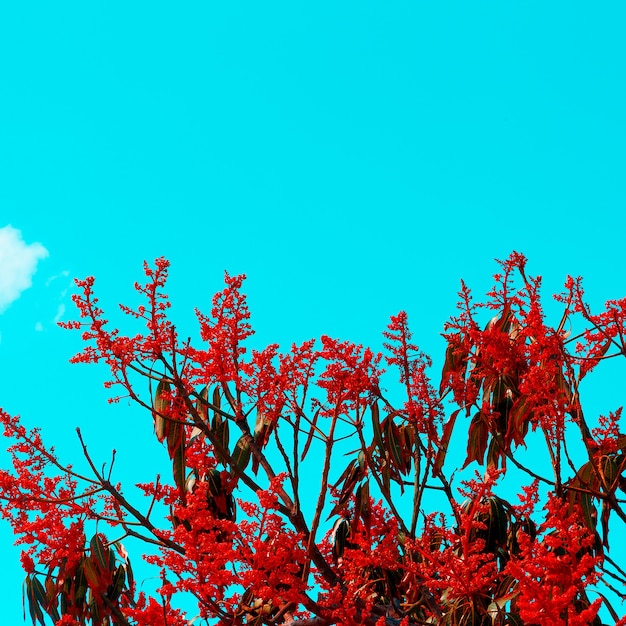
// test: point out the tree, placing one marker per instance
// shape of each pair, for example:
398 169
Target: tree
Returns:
392 537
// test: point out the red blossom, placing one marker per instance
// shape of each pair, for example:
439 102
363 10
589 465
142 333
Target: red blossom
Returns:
351 374
422 407
225 331
241 521
554 569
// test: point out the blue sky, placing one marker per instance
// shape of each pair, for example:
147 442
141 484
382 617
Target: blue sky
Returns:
353 158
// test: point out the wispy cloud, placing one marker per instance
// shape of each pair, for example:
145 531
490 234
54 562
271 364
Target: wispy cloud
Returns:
61 288
63 274
18 263
60 313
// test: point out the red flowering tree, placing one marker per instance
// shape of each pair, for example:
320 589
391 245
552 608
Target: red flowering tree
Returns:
263 519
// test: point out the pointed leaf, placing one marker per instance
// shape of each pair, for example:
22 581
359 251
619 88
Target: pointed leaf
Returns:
215 481
445 442
503 323
117 585
586 475
195 433
494 454
94 609
220 427
340 535
129 575
92 573
262 429
36 595
161 405
498 607
179 470
392 441
350 469
386 475
455 364
191 480
175 435
497 524
378 437
589 511
361 461
448 368
202 405
217 400
609 472
241 453
350 477
51 599
585 479
309 438
80 582
160 427
609 607
477 441
362 502
519 419
407 445
99 553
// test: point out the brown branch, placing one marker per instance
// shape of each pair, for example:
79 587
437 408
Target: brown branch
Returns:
144 521
386 493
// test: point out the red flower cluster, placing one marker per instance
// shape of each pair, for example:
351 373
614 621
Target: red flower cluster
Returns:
253 439
553 570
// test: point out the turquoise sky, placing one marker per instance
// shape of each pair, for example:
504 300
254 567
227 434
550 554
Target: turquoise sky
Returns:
353 158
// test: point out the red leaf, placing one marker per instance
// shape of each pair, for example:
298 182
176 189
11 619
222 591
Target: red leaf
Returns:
477 440
445 441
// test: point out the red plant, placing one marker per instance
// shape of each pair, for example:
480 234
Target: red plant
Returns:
402 534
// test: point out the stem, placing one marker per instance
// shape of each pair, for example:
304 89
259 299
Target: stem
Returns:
321 498
144 521
386 493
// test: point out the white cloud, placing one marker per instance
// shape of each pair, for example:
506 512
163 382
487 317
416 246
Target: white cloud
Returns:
18 263
63 274
60 313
